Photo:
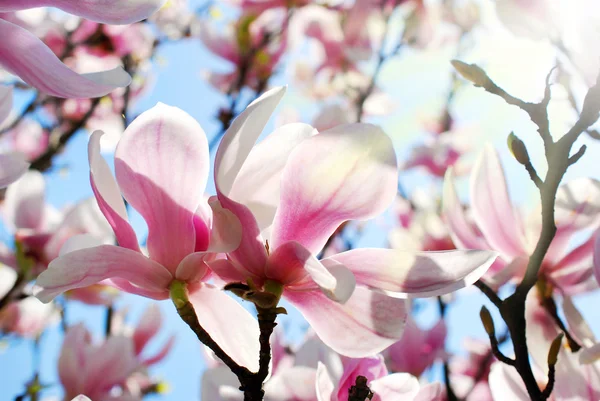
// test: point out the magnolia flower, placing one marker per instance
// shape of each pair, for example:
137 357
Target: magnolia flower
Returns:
295 188
498 225
335 378
161 168
26 317
12 165
26 56
95 370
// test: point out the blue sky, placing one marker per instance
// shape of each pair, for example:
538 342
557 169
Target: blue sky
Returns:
411 83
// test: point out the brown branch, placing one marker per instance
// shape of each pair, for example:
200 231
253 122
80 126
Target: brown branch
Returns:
488 292
557 154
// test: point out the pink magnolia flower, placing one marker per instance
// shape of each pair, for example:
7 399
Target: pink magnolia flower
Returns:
28 137
237 42
96 370
40 228
12 165
499 226
417 349
334 381
161 168
26 56
296 187
26 317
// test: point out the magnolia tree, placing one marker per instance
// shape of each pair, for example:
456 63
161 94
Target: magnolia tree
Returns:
343 218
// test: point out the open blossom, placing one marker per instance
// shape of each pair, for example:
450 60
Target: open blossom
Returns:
26 56
335 378
95 370
499 226
26 317
469 374
161 168
290 193
243 43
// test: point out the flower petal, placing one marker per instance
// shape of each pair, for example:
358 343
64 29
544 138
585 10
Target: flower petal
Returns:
147 327
228 323
115 12
492 208
348 172
241 137
578 204
89 266
6 102
402 386
226 230
161 165
24 201
291 262
462 233
23 54
12 167
220 383
231 155
192 268
108 195
371 321
323 383
416 274
294 383
506 384
257 185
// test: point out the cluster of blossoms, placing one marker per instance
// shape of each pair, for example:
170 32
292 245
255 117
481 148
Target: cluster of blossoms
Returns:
275 229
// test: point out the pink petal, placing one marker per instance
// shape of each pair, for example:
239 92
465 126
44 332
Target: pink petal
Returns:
575 268
91 265
222 41
430 392
226 230
24 201
417 274
401 386
161 354
114 12
192 268
348 172
231 155
230 271
220 383
161 165
576 323
257 185
12 167
72 358
506 384
578 204
109 364
294 383
23 54
108 195
324 384
6 103
228 323
241 137
291 263
146 328
492 207
462 233
84 217
371 321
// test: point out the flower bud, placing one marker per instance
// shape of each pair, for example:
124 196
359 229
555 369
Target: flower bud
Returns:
488 322
517 148
554 349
